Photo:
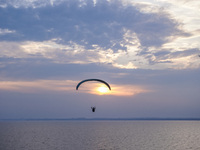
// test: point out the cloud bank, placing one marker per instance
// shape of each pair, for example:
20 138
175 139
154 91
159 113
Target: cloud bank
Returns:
92 32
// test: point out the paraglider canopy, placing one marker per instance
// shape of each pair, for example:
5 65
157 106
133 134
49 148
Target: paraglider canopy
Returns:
99 80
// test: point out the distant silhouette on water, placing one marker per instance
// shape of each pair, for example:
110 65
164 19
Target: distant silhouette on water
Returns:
93 109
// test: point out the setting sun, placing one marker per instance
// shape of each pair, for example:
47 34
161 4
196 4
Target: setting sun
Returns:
102 89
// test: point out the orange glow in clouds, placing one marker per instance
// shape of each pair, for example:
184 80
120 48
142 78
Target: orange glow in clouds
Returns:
69 86
116 90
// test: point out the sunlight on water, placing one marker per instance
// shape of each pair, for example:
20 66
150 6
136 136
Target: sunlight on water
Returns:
96 135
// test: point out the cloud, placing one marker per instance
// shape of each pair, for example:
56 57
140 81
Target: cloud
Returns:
57 53
185 11
124 34
6 31
88 25
49 51
28 3
38 86
116 90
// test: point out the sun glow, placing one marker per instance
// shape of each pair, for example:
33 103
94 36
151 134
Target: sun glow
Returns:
103 90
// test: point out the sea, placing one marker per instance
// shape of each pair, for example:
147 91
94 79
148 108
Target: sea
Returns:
100 135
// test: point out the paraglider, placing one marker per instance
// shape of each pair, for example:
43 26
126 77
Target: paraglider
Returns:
93 109
98 80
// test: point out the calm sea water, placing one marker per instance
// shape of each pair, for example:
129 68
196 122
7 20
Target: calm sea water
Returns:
100 135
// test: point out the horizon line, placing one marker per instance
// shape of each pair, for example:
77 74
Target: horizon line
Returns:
96 119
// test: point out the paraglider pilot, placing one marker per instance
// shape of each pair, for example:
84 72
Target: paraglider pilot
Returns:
93 109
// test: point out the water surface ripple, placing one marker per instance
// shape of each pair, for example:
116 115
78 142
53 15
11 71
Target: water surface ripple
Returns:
100 135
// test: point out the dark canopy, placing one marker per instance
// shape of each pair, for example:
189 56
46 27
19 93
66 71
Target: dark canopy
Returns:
99 80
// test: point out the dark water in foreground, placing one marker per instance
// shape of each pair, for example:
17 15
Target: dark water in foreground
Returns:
100 135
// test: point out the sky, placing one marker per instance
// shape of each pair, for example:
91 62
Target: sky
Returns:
147 50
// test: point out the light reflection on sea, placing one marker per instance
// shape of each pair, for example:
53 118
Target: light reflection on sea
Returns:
99 135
